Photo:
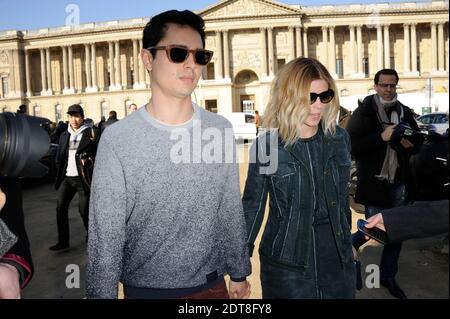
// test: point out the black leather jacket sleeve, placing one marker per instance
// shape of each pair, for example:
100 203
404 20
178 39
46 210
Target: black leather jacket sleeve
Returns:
255 197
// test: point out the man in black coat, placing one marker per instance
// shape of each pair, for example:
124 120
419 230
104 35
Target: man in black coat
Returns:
420 219
112 118
16 265
382 167
75 162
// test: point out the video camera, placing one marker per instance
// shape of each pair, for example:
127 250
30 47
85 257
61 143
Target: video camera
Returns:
404 130
23 142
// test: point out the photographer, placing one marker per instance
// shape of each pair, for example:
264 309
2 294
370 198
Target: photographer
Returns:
16 266
382 149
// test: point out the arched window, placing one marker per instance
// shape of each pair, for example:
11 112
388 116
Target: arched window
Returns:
36 110
105 109
58 113
246 77
4 109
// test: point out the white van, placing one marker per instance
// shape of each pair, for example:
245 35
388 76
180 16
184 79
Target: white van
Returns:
243 125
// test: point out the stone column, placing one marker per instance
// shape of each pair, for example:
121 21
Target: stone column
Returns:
49 72
433 48
352 51
360 51
136 70
219 58
379 48
263 51
441 50
305 42
71 79
406 50
332 59
118 66
112 72
387 47
144 73
292 42
43 74
414 71
87 57
29 93
298 41
226 52
271 52
94 68
65 70
325 46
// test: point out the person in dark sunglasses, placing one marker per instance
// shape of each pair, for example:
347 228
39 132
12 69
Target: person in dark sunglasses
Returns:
305 250
165 227
383 173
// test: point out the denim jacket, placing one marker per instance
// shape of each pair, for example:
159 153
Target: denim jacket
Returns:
287 236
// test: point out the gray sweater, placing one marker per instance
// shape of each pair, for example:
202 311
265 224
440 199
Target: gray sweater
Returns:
159 217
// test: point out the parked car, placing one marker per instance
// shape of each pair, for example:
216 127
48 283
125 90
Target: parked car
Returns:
243 125
437 121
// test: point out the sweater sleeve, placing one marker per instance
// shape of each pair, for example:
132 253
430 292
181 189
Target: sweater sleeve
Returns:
232 220
417 220
107 216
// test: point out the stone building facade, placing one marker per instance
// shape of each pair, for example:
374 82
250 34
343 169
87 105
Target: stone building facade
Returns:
98 64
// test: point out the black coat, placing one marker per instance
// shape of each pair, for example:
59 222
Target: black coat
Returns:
12 214
85 153
369 150
420 219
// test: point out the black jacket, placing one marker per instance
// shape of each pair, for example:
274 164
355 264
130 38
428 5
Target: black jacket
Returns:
369 150
291 201
85 154
420 219
12 214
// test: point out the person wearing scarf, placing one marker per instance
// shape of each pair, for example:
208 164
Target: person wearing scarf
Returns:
75 162
382 172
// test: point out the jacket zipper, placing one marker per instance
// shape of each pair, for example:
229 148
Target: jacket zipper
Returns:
312 226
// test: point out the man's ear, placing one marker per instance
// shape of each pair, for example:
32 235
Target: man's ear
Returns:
147 59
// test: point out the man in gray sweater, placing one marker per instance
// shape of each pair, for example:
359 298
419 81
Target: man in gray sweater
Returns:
166 217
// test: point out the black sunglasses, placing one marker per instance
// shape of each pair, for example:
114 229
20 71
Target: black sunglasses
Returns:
179 54
325 97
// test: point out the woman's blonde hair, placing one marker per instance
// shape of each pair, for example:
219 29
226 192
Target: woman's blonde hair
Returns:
289 104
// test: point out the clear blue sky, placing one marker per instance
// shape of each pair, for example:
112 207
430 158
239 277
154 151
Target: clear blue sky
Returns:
35 14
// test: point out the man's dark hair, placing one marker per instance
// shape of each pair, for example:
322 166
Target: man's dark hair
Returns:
386 72
156 29
112 115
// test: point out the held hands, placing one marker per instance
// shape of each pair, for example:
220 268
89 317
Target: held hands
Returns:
239 290
9 282
387 133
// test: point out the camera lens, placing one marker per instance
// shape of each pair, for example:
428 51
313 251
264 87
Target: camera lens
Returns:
23 142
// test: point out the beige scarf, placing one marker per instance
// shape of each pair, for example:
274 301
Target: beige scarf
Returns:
390 163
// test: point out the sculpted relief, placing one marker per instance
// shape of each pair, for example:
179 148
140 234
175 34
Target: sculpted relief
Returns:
244 7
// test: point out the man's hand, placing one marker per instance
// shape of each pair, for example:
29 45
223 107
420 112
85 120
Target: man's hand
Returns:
375 221
239 290
9 282
387 133
2 199
405 143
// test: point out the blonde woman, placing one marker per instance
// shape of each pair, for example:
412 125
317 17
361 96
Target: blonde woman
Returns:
305 251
